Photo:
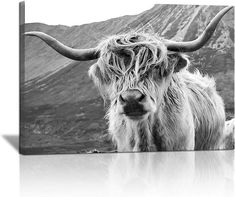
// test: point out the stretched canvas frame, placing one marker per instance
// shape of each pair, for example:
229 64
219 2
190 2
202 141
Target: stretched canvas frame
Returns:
62 110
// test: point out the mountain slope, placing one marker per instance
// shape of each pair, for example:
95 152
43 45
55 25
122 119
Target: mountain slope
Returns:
43 65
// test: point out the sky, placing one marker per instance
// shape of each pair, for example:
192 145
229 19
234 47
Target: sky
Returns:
77 12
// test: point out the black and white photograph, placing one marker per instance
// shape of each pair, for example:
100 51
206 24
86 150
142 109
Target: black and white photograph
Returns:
161 80
115 98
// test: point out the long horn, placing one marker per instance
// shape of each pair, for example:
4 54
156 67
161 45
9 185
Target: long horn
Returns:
201 40
75 54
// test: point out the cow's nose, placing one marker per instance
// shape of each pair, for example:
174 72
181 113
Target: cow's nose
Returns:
131 96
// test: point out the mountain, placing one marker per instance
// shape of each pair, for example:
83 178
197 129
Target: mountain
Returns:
55 87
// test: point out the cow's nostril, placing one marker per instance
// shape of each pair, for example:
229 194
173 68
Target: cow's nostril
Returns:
122 100
141 98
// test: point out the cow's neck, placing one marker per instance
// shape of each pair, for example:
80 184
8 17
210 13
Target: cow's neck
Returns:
132 135
141 137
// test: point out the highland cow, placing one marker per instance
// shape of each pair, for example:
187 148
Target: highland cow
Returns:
155 102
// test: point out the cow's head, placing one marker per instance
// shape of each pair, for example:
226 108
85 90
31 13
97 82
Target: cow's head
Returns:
134 69
133 72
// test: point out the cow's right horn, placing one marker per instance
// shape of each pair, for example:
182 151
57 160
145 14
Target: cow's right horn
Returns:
196 44
75 54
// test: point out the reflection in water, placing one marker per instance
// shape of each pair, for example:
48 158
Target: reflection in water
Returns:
144 174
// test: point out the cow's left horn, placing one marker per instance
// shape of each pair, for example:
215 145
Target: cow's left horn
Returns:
201 40
75 54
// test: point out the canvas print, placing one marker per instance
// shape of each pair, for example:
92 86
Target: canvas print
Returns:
162 80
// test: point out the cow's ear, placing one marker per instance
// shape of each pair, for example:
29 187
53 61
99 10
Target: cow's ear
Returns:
178 61
182 63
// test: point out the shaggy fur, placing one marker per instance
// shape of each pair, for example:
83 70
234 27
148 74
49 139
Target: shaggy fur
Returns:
184 110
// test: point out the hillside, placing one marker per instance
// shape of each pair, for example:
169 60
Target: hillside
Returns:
53 81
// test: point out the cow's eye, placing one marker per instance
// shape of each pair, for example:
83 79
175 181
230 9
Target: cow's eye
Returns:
145 75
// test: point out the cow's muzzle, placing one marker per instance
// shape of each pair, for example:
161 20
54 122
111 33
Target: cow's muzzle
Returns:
132 101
